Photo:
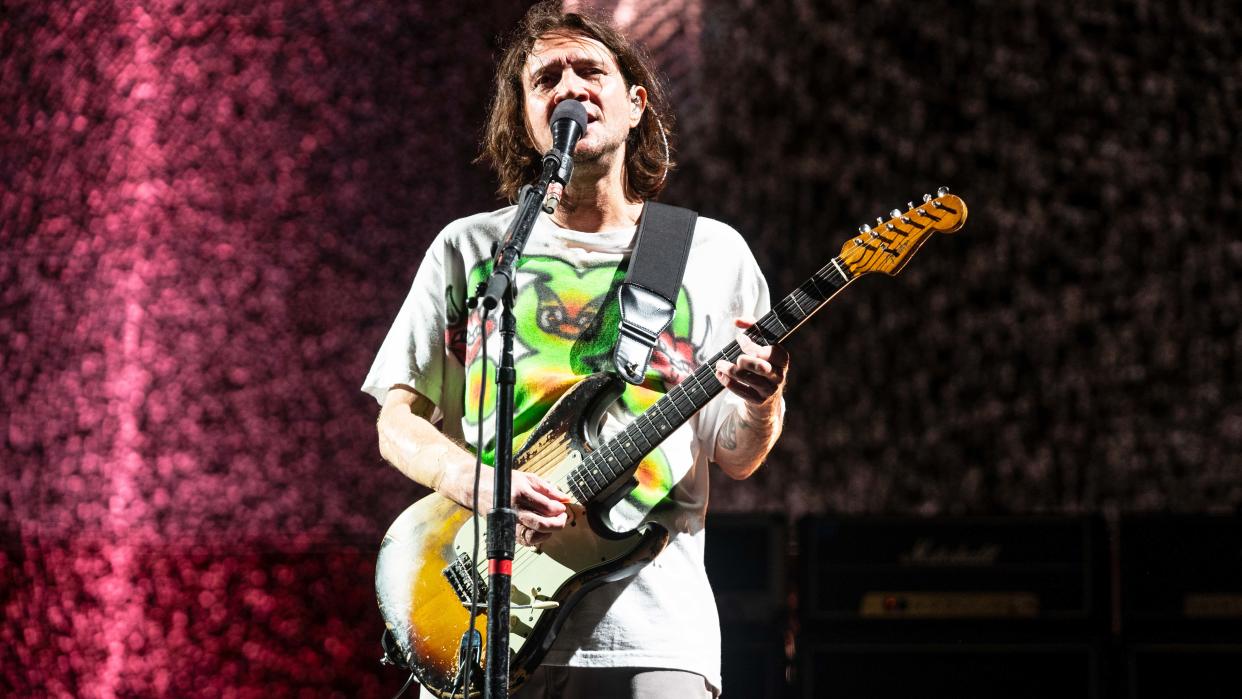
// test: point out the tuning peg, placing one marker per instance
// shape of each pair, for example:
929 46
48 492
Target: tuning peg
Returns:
879 221
864 228
940 192
909 205
926 198
894 213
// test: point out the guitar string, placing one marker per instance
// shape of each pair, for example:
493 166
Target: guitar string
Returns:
545 464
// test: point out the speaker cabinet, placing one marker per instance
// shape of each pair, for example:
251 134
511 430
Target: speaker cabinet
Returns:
1181 606
952 607
1183 670
746 563
897 670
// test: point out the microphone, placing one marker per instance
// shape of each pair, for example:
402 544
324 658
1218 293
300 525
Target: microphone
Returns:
569 122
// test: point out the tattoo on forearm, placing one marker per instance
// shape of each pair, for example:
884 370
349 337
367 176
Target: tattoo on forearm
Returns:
728 432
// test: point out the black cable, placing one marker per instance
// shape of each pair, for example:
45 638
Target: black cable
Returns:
387 642
405 686
478 474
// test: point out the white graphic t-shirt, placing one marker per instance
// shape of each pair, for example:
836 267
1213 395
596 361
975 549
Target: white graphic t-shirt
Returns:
567 314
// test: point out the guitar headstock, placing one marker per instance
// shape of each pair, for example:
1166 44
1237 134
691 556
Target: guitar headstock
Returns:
890 245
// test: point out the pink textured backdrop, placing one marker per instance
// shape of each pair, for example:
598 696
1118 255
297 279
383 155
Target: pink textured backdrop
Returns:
195 198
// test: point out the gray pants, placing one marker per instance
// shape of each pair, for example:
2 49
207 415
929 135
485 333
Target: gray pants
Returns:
556 682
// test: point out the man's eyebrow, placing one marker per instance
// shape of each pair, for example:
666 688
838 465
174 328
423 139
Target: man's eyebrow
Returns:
560 62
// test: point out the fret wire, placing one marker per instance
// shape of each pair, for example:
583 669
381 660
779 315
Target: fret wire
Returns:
578 478
695 392
660 411
695 385
794 297
638 424
613 460
784 309
684 406
589 468
811 293
603 467
643 423
703 390
604 473
815 280
776 334
626 442
758 333
773 318
573 488
804 301
804 309
811 303
680 415
709 389
790 303
788 313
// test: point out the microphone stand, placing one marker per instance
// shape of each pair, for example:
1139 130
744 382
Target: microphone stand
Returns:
502 520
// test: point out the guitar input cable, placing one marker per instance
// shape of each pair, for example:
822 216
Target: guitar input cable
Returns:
468 654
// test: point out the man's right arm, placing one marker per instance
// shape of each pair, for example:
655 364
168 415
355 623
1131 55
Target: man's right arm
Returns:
409 441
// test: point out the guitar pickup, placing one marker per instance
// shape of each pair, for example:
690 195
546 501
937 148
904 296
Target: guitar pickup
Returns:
464 579
537 604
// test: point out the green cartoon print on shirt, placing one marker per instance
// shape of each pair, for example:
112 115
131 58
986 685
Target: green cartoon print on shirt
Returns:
566 330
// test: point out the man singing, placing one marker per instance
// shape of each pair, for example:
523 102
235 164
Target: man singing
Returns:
655 634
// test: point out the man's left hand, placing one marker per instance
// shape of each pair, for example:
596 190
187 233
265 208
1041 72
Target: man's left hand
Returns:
758 374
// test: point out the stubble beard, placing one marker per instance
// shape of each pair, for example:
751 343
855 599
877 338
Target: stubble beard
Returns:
591 166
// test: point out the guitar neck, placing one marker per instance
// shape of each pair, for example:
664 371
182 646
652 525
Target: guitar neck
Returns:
621 453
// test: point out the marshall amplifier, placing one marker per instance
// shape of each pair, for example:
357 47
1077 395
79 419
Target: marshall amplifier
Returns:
1190 670
899 670
746 561
1181 606
1001 575
1182 574
954 607
745 557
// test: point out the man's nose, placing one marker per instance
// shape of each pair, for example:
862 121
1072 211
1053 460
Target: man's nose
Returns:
571 87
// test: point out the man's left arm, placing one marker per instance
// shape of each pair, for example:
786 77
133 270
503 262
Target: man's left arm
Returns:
751 429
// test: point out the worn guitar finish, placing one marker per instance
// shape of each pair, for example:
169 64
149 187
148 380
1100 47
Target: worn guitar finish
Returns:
425 575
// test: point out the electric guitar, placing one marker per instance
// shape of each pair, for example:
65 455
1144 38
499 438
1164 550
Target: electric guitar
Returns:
425 577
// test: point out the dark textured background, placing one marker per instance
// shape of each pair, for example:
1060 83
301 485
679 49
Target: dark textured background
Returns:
210 212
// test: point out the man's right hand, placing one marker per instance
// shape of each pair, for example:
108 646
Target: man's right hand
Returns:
409 441
540 505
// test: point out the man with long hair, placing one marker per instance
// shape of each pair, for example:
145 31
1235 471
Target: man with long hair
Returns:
655 634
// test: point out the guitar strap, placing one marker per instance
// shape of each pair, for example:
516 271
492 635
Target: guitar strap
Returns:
648 296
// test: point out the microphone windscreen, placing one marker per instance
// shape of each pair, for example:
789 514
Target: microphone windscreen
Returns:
570 109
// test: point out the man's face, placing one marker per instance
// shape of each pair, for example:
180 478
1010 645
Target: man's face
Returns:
570 66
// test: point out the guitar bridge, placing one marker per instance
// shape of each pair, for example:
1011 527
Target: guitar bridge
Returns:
465 579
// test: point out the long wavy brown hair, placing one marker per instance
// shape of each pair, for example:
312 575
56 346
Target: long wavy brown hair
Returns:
507 147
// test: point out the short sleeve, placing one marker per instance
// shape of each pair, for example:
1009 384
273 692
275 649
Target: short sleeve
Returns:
750 298
414 351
